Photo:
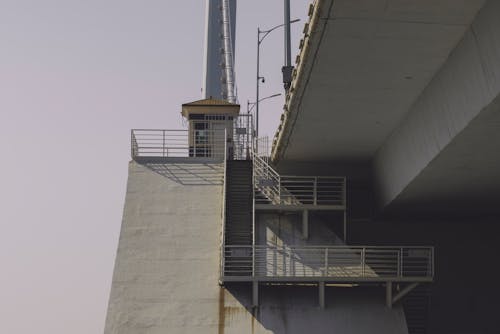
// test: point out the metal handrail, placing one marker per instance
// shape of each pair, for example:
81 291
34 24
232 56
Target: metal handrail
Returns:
370 263
296 190
243 137
266 179
178 143
223 214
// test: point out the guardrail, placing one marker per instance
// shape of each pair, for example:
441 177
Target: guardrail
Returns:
341 263
223 212
314 190
296 190
267 180
177 143
243 137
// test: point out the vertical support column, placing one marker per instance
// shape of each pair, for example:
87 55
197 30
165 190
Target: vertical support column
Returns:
363 261
345 226
305 224
400 262
194 131
388 294
326 262
315 191
321 289
255 293
344 197
163 144
253 260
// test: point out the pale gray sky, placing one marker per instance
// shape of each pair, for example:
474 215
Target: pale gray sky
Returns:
75 77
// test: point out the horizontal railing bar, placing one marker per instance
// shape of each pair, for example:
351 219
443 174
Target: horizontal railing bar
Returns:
168 130
395 248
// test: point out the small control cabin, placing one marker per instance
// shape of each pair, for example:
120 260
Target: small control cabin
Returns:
211 123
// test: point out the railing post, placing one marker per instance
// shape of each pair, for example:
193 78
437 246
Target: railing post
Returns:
279 189
344 199
315 191
132 143
223 261
163 146
253 261
326 261
223 213
284 260
401 272
363 261
194 143
432 262
398 269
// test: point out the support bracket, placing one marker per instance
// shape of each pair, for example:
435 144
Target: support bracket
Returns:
388 294
404 292
321 290
390 300
255 293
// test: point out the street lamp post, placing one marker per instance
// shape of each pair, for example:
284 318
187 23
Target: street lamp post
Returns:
264 34
250 106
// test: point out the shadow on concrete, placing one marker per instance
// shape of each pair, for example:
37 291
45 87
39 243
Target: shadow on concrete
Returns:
295 309
282 231
287 228
189 174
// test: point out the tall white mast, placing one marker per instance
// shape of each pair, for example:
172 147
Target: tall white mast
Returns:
218 76
228 51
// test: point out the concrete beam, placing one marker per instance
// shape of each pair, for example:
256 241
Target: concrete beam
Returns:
466 85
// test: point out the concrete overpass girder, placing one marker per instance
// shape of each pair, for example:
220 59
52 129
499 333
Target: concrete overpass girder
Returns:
446 129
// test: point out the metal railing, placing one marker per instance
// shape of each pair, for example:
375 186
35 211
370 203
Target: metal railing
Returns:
342 263
243 137
223 212
262 147
296 190
178 143
266 180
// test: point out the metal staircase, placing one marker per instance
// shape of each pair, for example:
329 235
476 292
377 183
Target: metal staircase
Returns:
239 218
239 203
254 186
286 191
416 307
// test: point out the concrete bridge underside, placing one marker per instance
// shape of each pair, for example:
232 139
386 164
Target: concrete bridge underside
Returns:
407 92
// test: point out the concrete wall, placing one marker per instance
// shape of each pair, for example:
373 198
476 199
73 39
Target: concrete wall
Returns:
294 310
466 84
465 296
167 266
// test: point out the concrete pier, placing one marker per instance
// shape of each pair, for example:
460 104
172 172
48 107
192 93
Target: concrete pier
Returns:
167 268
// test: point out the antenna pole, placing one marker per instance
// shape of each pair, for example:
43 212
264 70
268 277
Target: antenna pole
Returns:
287 68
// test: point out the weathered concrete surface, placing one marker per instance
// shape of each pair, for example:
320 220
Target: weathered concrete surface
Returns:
294 310
286 229
167 267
